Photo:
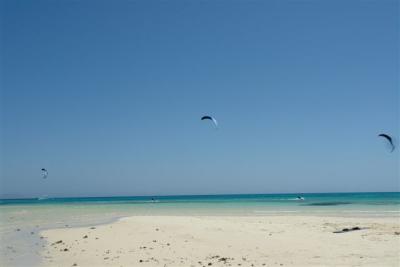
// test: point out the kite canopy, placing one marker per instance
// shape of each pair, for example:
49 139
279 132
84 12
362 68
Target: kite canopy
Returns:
211 119
389 139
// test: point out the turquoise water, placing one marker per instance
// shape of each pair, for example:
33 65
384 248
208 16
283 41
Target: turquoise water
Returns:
247 204
58 212
378 198
87 210
22 219
267 200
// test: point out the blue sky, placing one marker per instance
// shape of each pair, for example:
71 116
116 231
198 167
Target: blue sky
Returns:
108 96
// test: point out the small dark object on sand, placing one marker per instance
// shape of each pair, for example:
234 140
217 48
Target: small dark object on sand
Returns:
209 264
58 242
65 249
74 264
92 228
397 233
85 236
345 230
140 260
157 229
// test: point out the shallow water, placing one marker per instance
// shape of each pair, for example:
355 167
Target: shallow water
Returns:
57 212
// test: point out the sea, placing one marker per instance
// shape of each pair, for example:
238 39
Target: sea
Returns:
22 219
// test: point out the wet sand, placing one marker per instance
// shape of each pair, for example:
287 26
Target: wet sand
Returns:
226 241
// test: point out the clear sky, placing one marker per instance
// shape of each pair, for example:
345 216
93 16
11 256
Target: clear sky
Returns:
108 96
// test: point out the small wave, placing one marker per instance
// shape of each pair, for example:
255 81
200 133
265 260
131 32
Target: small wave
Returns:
283 199
277 211
144 201
371 211
327 203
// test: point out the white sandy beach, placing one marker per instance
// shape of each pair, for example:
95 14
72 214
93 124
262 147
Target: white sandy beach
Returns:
226 241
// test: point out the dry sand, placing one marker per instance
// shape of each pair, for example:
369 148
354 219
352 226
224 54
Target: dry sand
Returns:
227 241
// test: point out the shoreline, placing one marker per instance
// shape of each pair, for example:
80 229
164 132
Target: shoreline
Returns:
135 241
21 248
29 243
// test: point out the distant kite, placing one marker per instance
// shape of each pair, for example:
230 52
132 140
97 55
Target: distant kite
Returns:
389 139
211 119
44 173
